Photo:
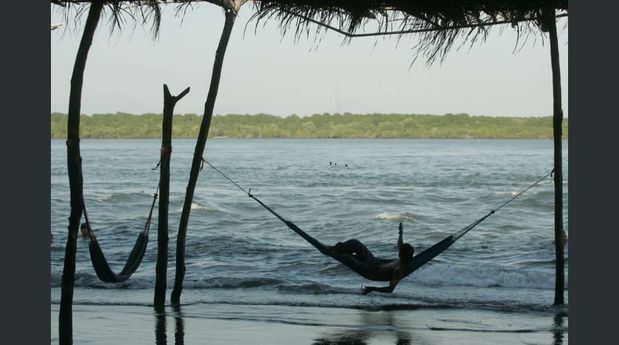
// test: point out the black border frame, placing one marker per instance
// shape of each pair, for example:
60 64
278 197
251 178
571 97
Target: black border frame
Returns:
25 252
593 173
592 230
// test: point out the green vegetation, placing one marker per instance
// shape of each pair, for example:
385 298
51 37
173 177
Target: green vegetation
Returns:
122 125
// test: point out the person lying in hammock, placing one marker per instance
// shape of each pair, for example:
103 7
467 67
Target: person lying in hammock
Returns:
355 255
358 257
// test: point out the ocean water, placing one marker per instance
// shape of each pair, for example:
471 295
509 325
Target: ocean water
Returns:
239 253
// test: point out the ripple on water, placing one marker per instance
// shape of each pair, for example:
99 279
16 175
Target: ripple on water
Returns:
434 187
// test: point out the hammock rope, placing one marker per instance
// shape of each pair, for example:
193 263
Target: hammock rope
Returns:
418 260
430 253
99 262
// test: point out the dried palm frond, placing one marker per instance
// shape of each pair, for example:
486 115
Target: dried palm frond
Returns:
439 24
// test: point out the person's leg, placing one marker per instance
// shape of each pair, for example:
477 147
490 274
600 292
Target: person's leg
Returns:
347 247
355 248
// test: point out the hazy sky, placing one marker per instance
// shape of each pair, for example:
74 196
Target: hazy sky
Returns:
264 72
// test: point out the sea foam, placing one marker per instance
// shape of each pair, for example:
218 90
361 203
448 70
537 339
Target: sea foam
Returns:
388 216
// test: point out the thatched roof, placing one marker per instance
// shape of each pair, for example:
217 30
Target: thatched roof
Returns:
439 23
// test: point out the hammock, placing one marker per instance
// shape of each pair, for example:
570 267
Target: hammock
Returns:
359 267
99 262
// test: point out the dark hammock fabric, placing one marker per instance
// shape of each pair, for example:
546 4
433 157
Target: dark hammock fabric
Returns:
362 268
430 253
99 262
102 268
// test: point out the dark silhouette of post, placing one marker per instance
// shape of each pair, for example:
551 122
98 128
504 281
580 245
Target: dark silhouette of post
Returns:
74 167
199 151
169 102
549 23
179 330
559 328
161 337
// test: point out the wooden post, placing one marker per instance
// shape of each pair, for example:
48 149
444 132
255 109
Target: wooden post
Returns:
199 151
557 119
74 167
169 102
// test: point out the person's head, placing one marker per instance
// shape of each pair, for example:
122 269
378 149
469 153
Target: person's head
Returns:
84 229
406 253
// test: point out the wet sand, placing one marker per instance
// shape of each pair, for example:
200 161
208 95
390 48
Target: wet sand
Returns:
272 324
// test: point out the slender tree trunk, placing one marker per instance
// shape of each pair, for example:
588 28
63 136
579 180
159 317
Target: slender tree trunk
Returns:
74 166
169 102
197 156
557 119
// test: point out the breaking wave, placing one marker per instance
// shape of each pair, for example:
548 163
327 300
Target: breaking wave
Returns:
435 276
394 217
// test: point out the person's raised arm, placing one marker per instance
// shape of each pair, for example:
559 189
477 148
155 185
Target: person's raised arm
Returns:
400 241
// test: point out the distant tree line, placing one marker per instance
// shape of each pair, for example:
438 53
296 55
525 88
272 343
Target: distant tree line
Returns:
123 125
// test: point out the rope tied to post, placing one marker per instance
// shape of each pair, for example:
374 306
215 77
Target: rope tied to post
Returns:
165 154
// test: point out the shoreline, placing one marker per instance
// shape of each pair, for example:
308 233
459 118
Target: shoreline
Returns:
565 139
272 324
449 126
